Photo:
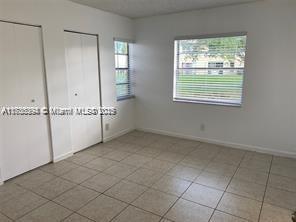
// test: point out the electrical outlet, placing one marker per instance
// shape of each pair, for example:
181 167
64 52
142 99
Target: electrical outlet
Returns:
107 126
202 127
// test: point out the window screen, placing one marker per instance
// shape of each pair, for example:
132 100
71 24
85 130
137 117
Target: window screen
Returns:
123 71
210 69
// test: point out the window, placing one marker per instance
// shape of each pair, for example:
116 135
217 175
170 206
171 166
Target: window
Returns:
123 71
210 69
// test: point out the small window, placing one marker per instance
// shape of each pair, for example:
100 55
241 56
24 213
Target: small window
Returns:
123 71
210 70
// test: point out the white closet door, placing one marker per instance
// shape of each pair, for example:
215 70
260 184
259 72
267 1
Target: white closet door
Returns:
25 139
84 88
75 88
92 87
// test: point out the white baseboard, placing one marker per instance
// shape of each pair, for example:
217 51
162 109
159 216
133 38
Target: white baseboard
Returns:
62 157
118 134
224 143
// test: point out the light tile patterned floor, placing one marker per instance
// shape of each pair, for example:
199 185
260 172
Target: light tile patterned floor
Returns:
144 177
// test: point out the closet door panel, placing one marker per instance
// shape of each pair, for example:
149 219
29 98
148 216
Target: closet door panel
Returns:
74 68
92 87
1 97
25 144
75 88
30 56
10 76
14 152
83 77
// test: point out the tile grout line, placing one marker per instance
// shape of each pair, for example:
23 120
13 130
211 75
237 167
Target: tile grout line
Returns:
99 171
40 196
148 187
76 184
46 202
260 213
26 190
130 204
227 186
49 200
104 193
74 214
192 182
60 176
224 190
100 193
151 186
121 179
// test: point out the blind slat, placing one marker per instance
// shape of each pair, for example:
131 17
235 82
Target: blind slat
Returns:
124 78
210 69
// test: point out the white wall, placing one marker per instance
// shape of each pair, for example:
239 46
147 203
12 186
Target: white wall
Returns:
267 119
54 16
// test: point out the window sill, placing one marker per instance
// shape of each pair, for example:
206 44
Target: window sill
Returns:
125 98
207 103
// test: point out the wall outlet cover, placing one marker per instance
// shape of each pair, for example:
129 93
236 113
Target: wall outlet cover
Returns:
107 126
202 127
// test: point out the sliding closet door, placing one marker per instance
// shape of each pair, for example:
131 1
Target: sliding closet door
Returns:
84 88
25 139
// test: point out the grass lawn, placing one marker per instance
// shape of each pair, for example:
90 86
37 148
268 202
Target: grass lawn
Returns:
210 86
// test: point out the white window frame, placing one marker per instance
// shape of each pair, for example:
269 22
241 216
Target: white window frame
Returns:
198 101
130 82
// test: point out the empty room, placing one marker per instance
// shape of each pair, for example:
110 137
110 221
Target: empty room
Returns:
147 111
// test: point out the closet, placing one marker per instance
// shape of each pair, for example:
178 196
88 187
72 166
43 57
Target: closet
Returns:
83 87
25 139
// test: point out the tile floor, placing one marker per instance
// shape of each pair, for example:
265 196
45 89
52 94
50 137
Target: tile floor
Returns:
144 177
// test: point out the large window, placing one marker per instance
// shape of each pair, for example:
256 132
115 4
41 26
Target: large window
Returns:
210 69
123 71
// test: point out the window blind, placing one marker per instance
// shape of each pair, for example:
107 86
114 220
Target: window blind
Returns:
210 69
124 86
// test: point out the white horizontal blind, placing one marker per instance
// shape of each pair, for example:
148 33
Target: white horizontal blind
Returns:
124 87
210 70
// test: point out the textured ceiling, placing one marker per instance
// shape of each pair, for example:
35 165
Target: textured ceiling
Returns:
144 8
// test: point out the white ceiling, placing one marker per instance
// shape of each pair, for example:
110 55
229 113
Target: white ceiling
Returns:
144 8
